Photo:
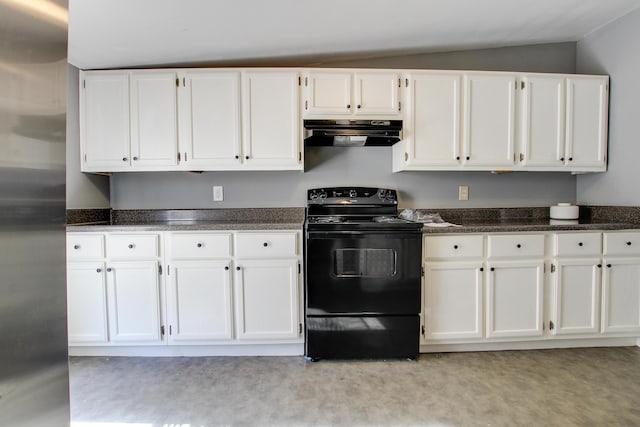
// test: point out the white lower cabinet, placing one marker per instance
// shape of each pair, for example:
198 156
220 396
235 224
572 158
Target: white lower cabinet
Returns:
86 303
266 296
495 288
576 296
621 296
134 302
453 300
199 305
184 288
514 299
575 274
621 283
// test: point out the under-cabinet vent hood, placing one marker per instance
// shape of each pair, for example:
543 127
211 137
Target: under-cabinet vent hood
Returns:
352 133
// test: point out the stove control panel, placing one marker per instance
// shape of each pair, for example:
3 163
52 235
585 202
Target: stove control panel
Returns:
352 196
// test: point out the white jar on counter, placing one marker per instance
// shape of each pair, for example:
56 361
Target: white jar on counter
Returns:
564 211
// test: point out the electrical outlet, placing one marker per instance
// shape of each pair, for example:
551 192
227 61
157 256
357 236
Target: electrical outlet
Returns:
218 195
463 192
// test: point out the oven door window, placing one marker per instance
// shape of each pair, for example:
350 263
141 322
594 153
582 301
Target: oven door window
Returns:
358 262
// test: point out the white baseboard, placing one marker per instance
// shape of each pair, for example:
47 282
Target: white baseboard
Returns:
530 345
191 351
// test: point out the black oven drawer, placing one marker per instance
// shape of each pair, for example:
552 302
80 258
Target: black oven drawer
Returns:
363 273
369 337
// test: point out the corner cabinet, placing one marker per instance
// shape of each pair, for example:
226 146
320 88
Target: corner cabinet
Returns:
190 119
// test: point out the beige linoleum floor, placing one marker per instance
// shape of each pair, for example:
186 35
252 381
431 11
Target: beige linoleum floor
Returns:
569 387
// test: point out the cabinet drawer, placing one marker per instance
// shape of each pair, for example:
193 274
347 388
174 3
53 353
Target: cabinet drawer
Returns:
623 244
200 245
132 245
453 247
516 245
577 244
266 245
81 246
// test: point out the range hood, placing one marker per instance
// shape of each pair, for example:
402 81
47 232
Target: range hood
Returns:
352 133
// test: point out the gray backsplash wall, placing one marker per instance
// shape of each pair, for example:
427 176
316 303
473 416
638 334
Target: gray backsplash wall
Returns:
329 166
368 166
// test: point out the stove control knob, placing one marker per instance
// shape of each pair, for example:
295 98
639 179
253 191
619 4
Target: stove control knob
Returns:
390 195
322 195
381 194
313 196
353 193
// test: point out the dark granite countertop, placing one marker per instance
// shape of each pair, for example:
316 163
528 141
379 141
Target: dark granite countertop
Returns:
494 220
188 219
471 220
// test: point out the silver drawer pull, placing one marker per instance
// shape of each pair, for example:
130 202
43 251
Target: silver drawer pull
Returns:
131 246
76 247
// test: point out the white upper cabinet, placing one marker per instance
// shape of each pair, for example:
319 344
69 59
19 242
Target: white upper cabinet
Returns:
104 121
542 121
328 92
348 92
154 127
272 131
563 122
432 125
209 118
489 120
586 126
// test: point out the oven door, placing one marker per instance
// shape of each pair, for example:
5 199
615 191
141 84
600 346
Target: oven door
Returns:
363 273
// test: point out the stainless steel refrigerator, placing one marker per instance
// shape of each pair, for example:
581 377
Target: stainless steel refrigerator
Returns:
34 375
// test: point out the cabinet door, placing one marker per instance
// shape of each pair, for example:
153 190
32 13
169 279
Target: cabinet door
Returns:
489 115
576 299
514 299
453 301
376 93
134 302
271 129
104 121
199 301
433 128
86 303
621 296
266 298
154 120
542 121
586 128
328 92
209 108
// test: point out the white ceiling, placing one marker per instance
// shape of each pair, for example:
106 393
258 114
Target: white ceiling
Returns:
128 33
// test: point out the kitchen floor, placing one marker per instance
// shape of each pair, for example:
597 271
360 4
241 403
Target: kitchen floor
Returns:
562 387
